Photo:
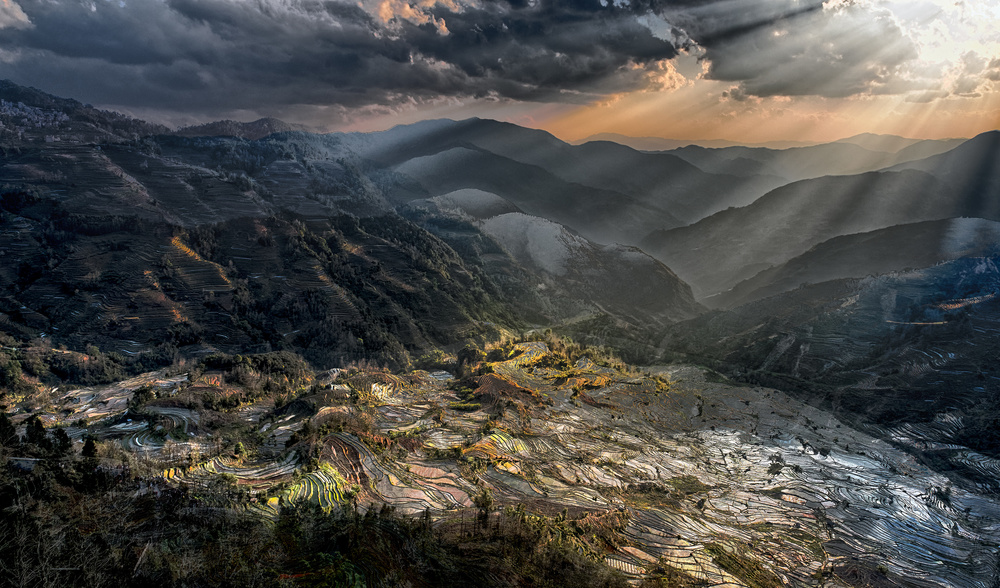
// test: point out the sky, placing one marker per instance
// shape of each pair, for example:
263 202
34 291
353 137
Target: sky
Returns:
744 70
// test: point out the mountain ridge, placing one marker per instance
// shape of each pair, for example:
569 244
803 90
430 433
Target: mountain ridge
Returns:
252 130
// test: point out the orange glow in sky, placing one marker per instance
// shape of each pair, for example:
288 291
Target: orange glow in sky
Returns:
699 113
939 77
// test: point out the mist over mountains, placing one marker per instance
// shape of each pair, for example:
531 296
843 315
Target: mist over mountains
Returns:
859 277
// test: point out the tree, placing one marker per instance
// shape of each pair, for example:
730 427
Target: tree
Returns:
62 441
471 354
484 500
35 434
140 397
8 434
10 375
90 447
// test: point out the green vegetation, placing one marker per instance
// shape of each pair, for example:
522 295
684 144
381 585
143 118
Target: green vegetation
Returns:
26 369
688 485
669 495
621 341
267 375
465 406
750 571
374 291
663 575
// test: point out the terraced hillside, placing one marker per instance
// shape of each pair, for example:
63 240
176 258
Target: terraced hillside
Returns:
909 355
674 475
323 286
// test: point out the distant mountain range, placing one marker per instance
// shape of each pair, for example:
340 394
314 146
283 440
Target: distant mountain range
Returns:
256 236
800 163
716 216
719 251
870 141
661 144
886 143
518 164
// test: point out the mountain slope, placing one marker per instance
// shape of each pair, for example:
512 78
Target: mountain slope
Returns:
336 290
909 356
971 169
601 215
618 280
717 252
877 142
840 158
877 252
28 115
661 181
557 276
661 144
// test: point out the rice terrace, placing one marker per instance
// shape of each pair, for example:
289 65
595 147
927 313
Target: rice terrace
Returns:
665 472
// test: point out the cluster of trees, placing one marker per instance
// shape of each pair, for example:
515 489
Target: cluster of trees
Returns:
37 441
15 198
230 154
96 367
12 378
278 375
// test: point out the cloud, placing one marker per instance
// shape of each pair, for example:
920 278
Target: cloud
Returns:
798 48
927 96
973 71
270 56
992 71
218 55
12 17
736 93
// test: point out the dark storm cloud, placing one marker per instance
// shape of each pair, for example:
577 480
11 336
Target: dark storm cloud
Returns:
208 54
567 45
264 55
